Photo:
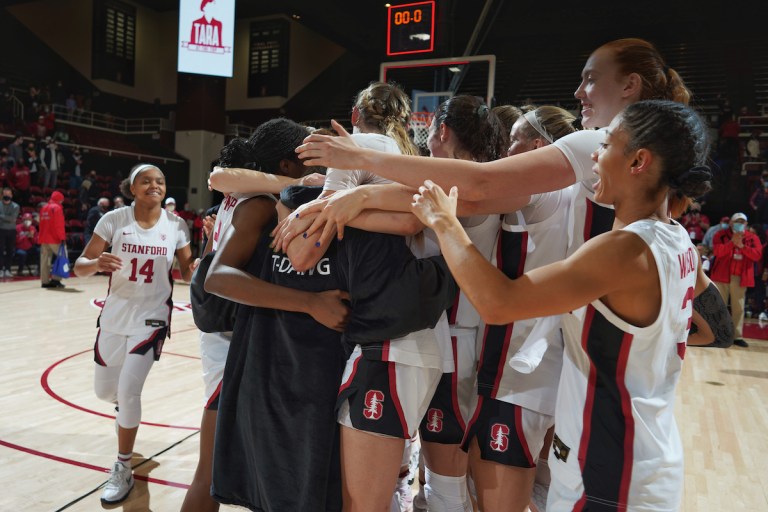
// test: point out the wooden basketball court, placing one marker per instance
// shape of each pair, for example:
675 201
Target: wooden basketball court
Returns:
57 441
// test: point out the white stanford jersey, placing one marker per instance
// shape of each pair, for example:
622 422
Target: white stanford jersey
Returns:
588 218
616 443
227 211
529 239
139 295
342 180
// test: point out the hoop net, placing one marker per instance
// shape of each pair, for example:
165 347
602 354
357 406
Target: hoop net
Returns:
420 122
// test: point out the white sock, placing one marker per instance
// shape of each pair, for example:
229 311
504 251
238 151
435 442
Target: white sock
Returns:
125 458
446 493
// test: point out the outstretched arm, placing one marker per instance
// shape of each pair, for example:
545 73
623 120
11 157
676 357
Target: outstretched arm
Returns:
232 179
544 170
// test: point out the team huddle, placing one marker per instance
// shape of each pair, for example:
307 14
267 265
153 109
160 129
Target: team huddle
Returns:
517 304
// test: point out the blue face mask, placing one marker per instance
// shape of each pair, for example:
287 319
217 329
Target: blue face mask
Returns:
724 225
738 227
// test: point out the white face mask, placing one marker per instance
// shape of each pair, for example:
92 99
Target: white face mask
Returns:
27 223
170 207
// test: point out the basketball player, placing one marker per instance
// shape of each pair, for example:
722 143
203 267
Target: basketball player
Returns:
136 316
627 300
270 148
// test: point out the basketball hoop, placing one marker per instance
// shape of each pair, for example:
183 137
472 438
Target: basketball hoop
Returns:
420 122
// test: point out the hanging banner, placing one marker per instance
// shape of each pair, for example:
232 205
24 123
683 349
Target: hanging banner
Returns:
206 36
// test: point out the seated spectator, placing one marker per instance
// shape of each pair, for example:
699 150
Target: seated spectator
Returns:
27 245
695 223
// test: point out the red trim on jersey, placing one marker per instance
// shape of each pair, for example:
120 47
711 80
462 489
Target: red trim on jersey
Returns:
588 219
385 351
396 398
589 401
100 359
502 359
214 396
346 384
473 419
629 420
521 435
151 339
455 383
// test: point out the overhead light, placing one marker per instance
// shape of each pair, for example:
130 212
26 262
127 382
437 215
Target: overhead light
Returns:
420 37
454 69
295 16
387 5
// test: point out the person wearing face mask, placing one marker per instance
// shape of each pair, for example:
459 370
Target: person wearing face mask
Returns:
735 251
696 223
709 236
9 212
170 206
27 246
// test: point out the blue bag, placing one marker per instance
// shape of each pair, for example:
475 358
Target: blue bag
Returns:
61 265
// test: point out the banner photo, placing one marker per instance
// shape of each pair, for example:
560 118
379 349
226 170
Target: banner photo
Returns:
206 36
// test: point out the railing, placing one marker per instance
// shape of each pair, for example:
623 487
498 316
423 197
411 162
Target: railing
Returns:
109 122
18 107
240 130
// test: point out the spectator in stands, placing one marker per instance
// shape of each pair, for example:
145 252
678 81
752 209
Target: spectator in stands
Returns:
20 180
753 147
33 161
118 202
38 128
51 162
61 135
733 270
170 205
27 245
710 234
71 106
696 223
52 234
15 149
9 212
76 174
94 214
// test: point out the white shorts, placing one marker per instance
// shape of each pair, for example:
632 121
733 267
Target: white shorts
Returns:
111 348
214 347
384 397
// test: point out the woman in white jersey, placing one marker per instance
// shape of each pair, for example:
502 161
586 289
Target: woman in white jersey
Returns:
627 298
136 317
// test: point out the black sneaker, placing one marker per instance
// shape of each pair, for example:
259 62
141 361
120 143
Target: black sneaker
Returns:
56 284
740 343
47 285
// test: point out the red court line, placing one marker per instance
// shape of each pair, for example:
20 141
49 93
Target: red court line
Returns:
86 465
53 394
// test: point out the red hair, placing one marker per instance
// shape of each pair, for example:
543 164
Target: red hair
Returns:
204 3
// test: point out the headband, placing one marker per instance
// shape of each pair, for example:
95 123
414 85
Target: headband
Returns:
534 121
137 170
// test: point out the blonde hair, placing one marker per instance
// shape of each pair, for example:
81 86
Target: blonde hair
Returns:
556 121
384 108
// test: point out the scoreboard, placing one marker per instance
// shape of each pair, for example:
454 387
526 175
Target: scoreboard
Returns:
411 28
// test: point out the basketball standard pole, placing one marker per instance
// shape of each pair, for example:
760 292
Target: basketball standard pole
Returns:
453 61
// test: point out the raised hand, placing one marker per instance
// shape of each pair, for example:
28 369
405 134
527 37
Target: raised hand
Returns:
432 206
337 152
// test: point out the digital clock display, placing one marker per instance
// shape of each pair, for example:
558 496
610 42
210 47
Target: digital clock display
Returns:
411 28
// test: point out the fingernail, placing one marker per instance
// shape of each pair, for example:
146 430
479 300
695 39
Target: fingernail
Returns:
304 235
297 215
317 244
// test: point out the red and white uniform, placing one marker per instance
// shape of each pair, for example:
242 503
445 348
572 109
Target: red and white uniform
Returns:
588 218
529 239
343 180
616 441
214 346
141 290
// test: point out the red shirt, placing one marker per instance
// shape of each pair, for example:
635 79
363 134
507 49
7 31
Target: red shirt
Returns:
26 236
738 261
20 178
52 223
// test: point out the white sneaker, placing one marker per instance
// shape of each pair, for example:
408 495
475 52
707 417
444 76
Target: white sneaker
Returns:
119 484
7 273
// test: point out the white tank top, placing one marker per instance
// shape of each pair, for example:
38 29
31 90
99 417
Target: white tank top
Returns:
616 440
139 295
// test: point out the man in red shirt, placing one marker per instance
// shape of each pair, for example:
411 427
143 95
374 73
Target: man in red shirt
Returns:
735 250
51 236
20 178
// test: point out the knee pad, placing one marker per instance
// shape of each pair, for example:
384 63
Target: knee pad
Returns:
447 493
